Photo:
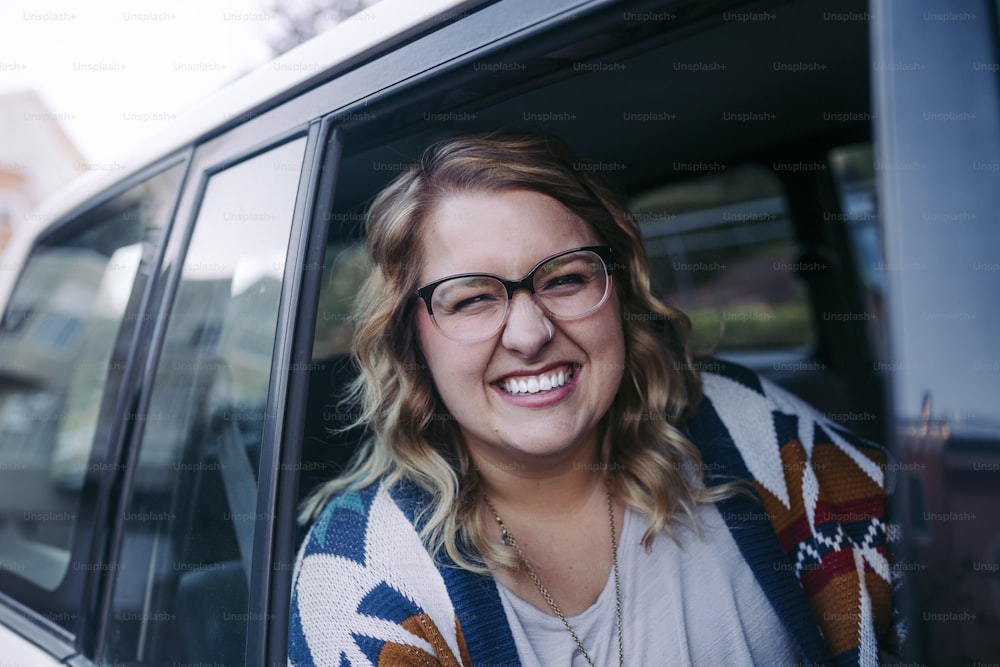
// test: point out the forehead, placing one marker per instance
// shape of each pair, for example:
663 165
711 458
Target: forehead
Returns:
505 233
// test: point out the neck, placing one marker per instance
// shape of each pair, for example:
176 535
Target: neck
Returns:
551 488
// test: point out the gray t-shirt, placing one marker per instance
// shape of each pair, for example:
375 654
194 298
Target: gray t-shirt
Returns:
693 605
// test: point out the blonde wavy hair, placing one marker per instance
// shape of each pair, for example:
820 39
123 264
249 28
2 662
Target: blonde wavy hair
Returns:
651 464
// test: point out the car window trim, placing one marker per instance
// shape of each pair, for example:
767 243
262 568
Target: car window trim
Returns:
274 586
274 422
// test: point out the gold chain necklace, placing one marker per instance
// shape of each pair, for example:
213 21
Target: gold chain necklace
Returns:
509 540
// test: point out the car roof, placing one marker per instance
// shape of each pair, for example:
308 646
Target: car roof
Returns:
376 29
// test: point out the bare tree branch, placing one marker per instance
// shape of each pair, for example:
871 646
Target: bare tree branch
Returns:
299 21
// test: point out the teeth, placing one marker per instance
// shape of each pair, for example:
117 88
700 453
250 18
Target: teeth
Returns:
537 383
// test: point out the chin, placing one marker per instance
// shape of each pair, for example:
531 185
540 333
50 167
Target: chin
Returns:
541 448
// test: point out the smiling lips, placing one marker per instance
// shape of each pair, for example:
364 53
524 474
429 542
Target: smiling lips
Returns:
533 384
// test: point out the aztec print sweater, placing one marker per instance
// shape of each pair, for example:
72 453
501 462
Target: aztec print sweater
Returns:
366 591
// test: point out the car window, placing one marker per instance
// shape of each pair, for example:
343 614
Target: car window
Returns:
59 363
721 248
181 587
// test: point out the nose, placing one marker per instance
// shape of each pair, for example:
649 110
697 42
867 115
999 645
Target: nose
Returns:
528 328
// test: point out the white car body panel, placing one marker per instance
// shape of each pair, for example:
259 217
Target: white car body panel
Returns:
16 650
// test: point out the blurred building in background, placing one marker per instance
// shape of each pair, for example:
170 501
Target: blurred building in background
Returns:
37 158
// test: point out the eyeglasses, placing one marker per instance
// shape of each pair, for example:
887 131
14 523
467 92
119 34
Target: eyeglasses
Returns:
473 306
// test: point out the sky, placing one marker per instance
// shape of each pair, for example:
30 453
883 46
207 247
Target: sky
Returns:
114 72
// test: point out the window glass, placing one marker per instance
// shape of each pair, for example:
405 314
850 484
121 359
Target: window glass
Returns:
74 300
854 174
721 248
182 586
326 445
344 269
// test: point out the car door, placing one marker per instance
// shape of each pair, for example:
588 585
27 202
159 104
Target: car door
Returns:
937 131
191 547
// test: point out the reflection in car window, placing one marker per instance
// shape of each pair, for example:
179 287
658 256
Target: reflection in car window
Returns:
721 248
182 586
344 269
853 170
57 340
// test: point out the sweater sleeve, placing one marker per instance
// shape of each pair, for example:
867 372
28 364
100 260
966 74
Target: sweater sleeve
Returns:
365 591
824 491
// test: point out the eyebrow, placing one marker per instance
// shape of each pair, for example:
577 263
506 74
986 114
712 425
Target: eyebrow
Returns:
534 266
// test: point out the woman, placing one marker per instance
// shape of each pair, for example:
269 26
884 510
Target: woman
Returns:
546 482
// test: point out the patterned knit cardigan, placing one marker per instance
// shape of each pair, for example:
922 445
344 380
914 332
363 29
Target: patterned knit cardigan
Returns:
366 591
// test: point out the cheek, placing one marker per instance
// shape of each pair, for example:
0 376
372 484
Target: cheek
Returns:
450 364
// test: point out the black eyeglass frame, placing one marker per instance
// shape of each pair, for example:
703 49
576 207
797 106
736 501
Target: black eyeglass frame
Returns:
526 283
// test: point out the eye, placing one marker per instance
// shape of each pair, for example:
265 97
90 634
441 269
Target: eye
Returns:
567 274
473 304
468 296
565 282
